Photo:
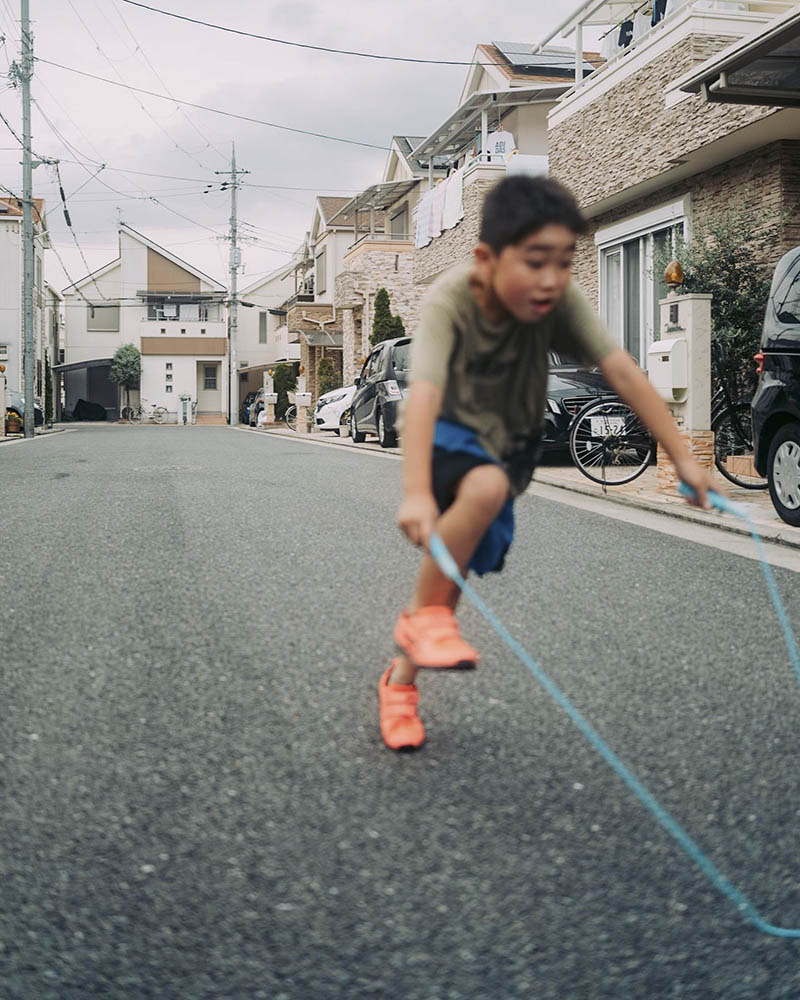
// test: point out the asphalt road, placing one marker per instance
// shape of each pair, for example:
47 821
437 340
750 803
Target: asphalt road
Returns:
195 801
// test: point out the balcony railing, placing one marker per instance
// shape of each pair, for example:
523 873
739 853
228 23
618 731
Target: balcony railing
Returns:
381 238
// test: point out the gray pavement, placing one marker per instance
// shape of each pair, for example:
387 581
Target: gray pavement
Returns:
196 802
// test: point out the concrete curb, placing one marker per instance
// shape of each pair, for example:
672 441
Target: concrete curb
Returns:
724 522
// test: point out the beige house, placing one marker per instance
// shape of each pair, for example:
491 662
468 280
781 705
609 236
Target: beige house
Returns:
172 312
648 159
499 128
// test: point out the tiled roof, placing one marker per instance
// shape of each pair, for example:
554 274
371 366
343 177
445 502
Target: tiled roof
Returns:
494 55
331 205
12 207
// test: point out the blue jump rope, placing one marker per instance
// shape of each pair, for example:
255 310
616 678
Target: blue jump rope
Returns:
447 564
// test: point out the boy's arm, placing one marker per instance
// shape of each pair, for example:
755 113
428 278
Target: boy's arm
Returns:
632 385
418 510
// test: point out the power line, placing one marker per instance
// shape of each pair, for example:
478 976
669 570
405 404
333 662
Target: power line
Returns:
152 118
141 51
304 45
216 111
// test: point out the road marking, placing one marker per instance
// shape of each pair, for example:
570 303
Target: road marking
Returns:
713 537
352 449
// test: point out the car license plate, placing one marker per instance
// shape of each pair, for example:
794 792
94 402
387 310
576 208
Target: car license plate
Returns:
603 426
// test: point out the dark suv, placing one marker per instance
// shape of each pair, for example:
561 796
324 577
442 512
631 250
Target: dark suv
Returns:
776 404
380 388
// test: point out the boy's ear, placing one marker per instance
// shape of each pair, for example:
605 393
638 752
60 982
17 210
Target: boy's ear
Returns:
483 253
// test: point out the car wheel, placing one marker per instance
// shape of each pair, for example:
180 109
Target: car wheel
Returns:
783 473
386 438
357 435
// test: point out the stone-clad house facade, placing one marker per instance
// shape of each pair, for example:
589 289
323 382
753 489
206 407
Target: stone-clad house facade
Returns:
648 161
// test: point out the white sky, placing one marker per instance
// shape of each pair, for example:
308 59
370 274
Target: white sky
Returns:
339 95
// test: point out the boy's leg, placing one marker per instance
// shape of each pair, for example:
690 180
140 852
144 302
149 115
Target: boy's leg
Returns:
480 496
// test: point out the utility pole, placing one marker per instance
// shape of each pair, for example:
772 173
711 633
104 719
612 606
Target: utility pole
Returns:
234 263
25 74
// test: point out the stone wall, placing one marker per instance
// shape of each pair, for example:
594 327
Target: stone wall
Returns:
765 182
455 245
628 135
366 269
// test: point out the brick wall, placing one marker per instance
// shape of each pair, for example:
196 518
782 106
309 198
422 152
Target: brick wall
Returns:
765 182
628 136
370 267
454 245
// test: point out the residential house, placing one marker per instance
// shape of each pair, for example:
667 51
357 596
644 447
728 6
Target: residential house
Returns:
499 127
263 339
381 251
171 311
649 160
11 273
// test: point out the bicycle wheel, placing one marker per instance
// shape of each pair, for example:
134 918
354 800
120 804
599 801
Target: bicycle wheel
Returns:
160 414
609 443
291 417
733 447
126 413
136 415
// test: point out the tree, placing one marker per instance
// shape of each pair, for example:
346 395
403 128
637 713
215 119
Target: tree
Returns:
398 327
725 258
126 369
382 327
284 381
327 376
48 390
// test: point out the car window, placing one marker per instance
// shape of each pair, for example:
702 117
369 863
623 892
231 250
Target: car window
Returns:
401 359
789 309
374 363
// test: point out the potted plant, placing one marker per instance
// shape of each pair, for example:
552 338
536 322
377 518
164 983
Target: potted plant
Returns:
13 422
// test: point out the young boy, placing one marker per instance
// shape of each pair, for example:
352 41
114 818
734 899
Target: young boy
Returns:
475 411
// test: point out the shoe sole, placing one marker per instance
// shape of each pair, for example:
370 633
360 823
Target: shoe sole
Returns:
461 665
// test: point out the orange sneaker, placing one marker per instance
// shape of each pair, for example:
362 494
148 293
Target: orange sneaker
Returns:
401 727
429 638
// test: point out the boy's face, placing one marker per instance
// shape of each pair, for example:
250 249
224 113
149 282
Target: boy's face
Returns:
530 277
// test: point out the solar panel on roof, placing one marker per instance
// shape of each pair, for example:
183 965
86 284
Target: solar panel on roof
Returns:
553 59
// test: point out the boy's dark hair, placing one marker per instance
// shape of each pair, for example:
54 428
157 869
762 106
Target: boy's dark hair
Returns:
519 206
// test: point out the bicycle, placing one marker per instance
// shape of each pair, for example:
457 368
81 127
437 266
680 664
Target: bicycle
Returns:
733 432
290 417
609 443
135 414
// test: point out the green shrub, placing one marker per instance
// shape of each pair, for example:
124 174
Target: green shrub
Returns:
284 381
327 376
385 326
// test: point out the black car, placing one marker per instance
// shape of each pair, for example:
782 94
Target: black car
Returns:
569 388
380 388
776 404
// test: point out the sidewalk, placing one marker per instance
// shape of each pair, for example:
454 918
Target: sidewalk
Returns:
641 493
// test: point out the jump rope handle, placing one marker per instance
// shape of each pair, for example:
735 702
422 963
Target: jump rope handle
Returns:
717 500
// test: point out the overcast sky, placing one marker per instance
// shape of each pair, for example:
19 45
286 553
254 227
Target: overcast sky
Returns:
338 95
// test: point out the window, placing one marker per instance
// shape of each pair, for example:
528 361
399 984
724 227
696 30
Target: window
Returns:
102 319
3 352
399 224
62 354
202 330
169 366
321 277
169 376
262 328
631 278
168 388
183 330
209 376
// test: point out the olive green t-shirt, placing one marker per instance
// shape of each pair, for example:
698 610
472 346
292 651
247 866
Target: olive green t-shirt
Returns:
495 376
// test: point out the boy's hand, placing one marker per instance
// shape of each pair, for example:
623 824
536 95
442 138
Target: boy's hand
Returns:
698 478
417 517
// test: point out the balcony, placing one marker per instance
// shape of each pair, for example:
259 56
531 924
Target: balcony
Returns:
313 323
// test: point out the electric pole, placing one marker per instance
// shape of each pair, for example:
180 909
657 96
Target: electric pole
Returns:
25 74
234 263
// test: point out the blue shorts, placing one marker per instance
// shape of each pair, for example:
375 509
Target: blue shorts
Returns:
456 450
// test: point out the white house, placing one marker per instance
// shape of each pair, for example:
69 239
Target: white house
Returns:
172 312
11 333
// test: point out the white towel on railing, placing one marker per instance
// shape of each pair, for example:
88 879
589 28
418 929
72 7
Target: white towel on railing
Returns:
437 208
423 230
453 210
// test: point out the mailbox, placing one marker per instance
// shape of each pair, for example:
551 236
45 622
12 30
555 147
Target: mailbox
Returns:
302 399
668 369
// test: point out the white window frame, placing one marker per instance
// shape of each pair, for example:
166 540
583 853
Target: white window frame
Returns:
643 226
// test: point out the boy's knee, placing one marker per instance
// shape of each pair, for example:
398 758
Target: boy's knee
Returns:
486 486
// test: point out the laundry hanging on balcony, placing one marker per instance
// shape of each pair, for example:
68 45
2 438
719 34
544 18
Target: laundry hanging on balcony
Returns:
453 211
